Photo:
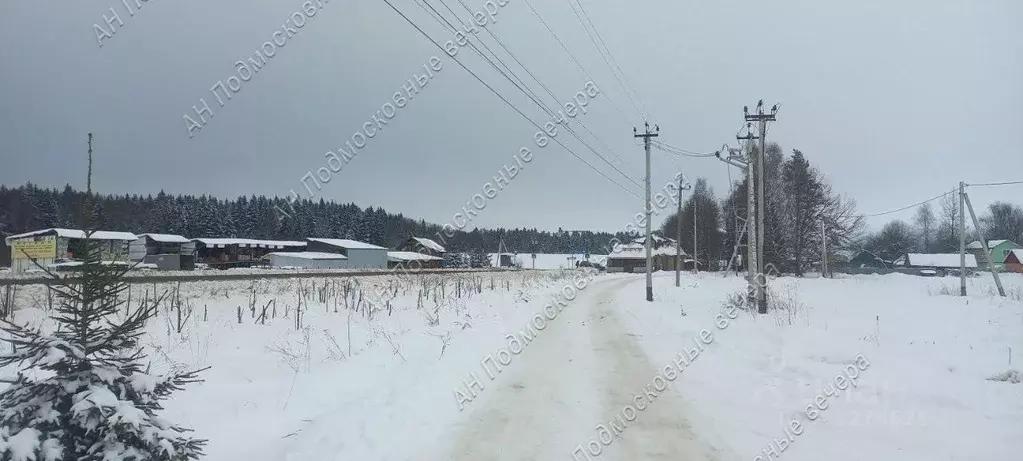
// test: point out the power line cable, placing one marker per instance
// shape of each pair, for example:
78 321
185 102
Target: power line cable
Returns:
910 206
521 85
508 73
608 63
937 197
576 61
635 93
557 101
994 184
451 27
503 99
677 151
674 158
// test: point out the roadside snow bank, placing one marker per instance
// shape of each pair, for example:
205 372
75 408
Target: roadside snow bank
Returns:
926 394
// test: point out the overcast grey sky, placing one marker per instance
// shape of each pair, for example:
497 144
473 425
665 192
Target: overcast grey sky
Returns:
895 101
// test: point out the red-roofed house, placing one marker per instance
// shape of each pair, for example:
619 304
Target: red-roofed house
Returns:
1014 261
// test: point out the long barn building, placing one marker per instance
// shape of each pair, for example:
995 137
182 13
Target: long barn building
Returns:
47 247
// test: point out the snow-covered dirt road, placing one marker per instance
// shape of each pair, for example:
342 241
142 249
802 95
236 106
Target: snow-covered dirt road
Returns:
580 372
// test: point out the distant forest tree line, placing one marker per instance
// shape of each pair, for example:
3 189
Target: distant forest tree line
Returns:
28 207
799 201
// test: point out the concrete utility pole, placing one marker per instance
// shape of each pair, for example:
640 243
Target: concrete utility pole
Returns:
753 287
762 120
962 238
696 268
983 245
646 206
678 237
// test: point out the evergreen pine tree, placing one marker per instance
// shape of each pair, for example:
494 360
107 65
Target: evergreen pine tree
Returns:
81 392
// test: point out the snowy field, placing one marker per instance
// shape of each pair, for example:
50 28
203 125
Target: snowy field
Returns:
347 381
927 393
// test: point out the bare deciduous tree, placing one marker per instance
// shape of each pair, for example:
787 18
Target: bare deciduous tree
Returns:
1003 221
925 220
947 235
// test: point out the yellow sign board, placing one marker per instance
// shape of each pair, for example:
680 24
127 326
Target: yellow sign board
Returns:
37 249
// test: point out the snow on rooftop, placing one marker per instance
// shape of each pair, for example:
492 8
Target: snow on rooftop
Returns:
430 244
248 243
165 238
944 260
310 255
75 234
636 250
975 245
1018 253
349 244
655 239
404 256
847 253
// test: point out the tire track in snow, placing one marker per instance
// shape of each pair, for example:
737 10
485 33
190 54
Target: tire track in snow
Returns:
661 431
547 403
579 372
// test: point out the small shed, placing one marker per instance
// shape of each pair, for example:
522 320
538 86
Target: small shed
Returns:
422 245
307 260
57 245
360 255
1014 261
166 251
507 260
412 260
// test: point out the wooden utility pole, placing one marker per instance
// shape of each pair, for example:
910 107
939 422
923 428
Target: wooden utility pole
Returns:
88 179
761 118
962 238
646 206
983 245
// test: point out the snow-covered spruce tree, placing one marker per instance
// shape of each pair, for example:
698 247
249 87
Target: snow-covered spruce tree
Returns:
81 392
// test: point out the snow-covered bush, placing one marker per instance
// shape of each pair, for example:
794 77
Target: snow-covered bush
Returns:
1008 376
81 392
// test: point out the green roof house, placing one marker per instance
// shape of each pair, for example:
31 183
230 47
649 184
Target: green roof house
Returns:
999 250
